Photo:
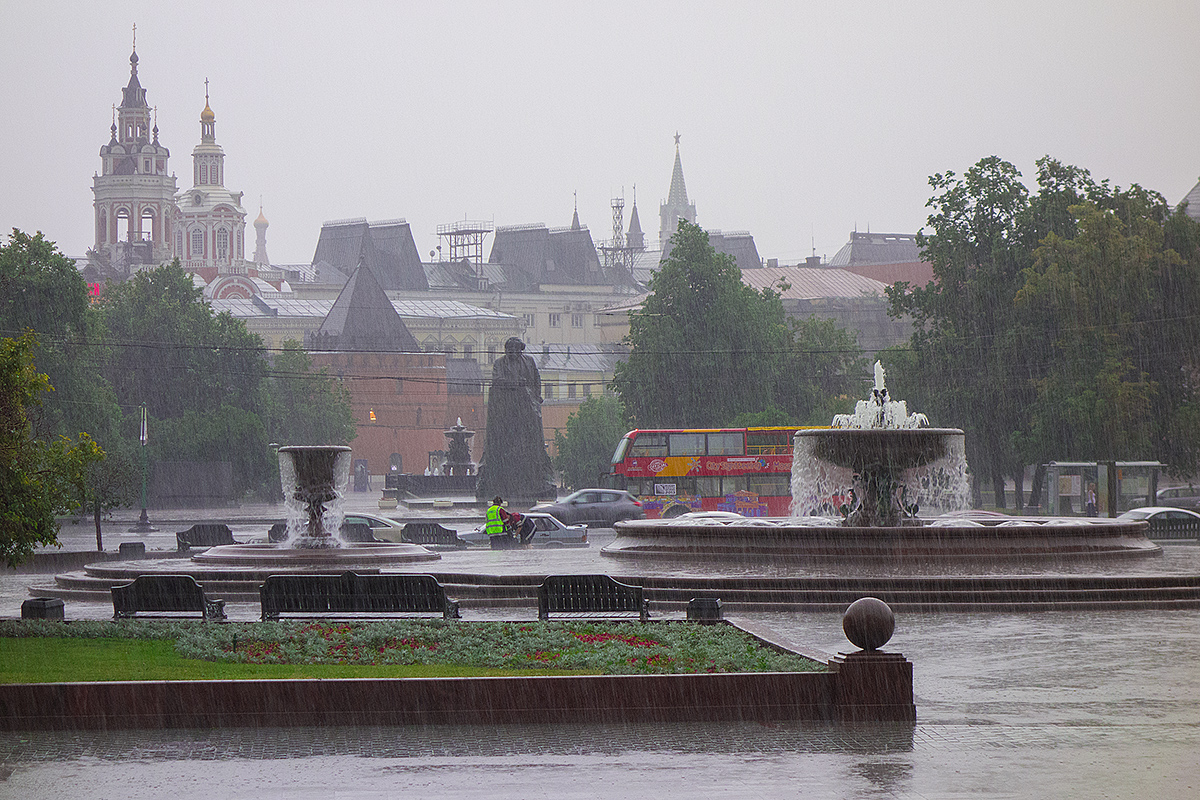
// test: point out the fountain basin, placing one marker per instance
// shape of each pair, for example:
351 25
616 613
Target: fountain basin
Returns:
861 448
373 554
792 538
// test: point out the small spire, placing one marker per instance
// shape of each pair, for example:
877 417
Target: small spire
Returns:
676 141
133 58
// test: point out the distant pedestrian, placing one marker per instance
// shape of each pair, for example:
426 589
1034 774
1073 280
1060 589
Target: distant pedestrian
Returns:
1092 510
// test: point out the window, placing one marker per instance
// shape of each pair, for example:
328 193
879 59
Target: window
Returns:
725 444
528 318
577 320
204 173
222 244
146 165
548 391
179 244
570 390
770 484
556 320
687 444
596 320
649 444
468 351
197 243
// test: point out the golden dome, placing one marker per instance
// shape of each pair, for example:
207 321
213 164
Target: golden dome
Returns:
207 114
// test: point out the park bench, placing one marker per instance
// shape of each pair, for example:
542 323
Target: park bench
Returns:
204 534
430 533
164 594
351 594
591 597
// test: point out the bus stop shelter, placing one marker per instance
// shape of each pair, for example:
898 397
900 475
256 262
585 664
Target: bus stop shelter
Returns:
1119 485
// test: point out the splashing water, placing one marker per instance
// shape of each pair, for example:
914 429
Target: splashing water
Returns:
824 490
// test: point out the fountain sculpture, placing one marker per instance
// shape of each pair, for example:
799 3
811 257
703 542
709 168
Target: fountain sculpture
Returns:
858 489
315 480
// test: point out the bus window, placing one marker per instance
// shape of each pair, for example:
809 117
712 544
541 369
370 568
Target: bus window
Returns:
768 443
770 484
687 444
649 444
725 444
733 483
709 487
622 446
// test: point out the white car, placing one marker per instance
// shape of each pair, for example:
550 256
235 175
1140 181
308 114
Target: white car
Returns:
382 528
548 532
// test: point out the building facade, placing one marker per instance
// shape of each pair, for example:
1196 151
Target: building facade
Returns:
134 191
210 223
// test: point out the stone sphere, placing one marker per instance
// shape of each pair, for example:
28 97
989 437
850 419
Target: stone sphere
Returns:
869 623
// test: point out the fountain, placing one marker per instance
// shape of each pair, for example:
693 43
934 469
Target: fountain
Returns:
858 489
315 480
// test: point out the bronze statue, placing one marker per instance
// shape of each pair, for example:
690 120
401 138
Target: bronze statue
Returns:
515 463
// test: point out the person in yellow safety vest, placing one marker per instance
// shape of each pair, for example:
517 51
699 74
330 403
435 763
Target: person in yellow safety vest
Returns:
495 517
497 526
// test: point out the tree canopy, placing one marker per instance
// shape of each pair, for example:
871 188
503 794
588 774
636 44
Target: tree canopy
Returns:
1060 325
585 451
36 475
706 348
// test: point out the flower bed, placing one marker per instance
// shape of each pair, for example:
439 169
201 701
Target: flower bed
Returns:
601 649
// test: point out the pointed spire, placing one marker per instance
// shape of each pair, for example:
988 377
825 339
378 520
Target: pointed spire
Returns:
575 219
635 238
678 193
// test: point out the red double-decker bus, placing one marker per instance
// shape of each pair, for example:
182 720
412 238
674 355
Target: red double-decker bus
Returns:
673 471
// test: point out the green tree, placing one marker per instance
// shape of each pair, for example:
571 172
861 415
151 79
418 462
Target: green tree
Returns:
171 352
306 406
971 356
200 374
704 346
41 290
35 474
822 372
585 452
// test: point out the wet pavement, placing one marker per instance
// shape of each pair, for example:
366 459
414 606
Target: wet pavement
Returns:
1052 704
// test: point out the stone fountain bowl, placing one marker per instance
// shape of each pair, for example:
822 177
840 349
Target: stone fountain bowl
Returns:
899 449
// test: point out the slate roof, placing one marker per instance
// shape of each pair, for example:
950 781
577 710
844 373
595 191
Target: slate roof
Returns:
551 255
277 306
811 283
577 358
363 318
877 248
739 244
387 247
1193 201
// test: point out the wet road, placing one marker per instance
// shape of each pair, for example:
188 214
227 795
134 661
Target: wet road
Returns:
1045 705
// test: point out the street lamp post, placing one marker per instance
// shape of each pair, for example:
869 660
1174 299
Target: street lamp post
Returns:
143 524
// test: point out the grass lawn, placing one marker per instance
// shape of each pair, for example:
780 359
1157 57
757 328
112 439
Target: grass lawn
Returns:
50 660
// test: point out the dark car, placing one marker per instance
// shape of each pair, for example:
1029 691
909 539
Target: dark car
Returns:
1179 497
1167 523
595 507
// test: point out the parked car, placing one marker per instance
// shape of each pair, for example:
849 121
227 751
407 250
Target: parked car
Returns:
548 532
382 528
595 507
1179 497
1166 522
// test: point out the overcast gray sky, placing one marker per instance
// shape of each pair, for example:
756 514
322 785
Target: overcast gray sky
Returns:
799 120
